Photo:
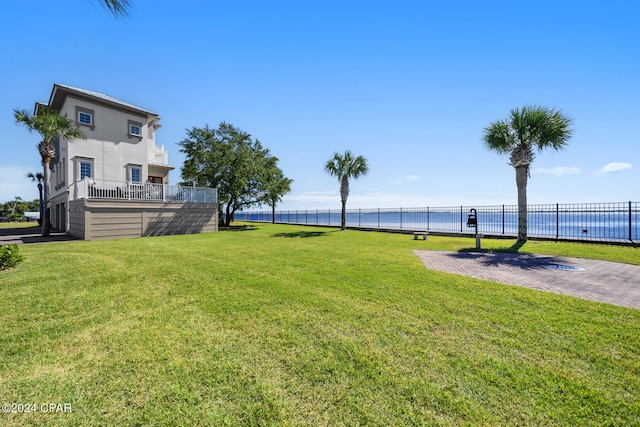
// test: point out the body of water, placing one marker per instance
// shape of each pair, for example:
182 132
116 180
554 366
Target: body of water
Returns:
599 221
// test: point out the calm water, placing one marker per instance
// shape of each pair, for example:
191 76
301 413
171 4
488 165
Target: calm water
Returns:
616 221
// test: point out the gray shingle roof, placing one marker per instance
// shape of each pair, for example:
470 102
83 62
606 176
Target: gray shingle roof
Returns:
96 95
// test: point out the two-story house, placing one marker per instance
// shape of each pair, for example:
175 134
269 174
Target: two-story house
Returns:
117 172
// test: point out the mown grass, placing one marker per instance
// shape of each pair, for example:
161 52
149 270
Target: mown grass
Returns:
288 325
18 224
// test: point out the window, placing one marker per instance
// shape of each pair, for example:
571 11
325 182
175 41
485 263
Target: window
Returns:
85 170
135 129
85 117
135 174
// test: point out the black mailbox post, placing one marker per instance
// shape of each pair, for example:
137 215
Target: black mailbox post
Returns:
472 221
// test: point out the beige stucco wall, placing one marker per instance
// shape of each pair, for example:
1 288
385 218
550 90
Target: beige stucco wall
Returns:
108 145
94 219
107 142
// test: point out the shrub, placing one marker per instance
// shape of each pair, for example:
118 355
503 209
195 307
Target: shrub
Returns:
9 256
16 217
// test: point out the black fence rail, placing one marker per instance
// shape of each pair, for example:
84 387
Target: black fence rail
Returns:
583 221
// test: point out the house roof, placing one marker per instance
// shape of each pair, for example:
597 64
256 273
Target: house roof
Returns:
60 91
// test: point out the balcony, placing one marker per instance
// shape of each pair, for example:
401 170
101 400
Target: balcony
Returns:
159 156
90 188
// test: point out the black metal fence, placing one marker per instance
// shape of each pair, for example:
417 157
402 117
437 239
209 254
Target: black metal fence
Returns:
583 221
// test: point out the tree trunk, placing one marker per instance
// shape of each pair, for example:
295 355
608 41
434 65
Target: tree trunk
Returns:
344 193
41 203
522 173
273 213
47 192
227 217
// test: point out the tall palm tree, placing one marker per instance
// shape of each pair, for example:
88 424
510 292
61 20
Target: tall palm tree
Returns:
51 126
526 129
117 7
38 177
344 167
276 186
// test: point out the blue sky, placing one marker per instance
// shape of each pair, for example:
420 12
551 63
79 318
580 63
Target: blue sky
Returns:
410 85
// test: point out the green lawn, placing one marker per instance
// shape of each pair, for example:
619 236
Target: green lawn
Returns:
290 325
18 224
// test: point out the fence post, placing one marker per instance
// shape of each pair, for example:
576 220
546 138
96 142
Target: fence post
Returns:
503 220
630 227
400 218
428 223
557 221
461 214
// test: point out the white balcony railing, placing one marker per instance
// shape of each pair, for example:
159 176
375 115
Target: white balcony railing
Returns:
89 188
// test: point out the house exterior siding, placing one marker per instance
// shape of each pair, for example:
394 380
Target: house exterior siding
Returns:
96 219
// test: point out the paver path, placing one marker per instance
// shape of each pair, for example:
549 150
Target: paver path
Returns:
603 281
30 235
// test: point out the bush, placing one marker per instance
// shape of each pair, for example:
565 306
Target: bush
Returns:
16 217
9 256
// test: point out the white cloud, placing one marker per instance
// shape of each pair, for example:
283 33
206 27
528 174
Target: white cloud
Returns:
613 167
404 179
559 171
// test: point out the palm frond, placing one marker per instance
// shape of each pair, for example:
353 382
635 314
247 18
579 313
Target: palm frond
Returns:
499 137
117 7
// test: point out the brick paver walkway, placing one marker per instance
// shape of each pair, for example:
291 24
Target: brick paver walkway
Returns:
602 281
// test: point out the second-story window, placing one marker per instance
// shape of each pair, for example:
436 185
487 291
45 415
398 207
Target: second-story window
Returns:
135 174
83 168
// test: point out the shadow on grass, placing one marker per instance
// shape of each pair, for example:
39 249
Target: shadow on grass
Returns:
301 234
516 247
238 228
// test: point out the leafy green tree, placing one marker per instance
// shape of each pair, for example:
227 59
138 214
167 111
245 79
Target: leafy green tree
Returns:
38 177
228 159
346 166
527 129
51 126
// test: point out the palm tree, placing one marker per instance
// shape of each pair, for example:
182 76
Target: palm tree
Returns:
276 186
51 126
39 177
344 167
117 7
527 128
17 200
